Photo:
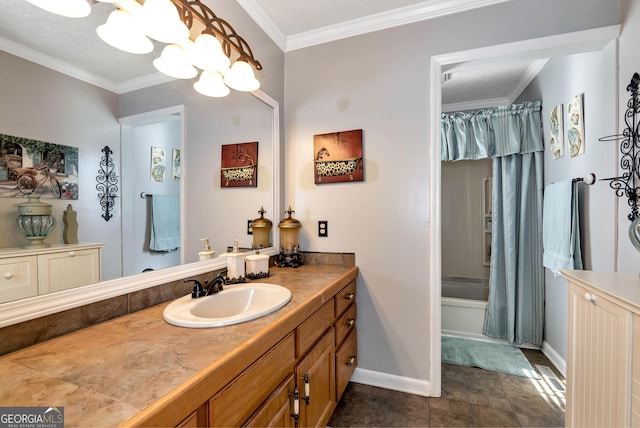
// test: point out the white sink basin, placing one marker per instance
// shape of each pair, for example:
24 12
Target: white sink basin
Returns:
233 305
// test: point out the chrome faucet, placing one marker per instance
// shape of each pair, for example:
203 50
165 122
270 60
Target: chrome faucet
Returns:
212 287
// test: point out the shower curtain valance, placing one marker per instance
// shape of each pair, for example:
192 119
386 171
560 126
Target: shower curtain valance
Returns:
492 133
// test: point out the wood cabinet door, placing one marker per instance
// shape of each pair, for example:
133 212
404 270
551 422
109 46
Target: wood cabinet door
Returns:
315 377
598 363
277 411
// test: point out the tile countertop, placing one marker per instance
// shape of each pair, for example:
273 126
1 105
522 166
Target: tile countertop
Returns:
107 374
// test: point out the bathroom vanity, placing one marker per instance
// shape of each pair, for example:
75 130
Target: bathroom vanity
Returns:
32 272
603 358
287 368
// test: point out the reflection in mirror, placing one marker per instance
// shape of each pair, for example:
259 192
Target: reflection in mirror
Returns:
143 186
40 109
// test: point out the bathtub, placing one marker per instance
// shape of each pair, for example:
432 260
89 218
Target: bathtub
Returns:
464 304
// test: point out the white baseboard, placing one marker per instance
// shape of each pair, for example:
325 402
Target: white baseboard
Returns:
555 358
393 382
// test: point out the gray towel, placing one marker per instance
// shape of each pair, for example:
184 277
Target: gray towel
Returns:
561 227
165 223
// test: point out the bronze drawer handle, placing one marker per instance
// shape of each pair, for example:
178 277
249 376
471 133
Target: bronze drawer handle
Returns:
350 323
351 361
350 296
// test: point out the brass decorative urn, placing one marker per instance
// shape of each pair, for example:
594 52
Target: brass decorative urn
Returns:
290 254
261 228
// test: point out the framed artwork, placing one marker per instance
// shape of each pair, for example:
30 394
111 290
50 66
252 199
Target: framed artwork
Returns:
557 132
239 165
158 165
338 157
575 133
31 166
175 165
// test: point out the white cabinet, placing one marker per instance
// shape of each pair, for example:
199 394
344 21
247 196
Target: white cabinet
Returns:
28 273
603 358
19 278
68 269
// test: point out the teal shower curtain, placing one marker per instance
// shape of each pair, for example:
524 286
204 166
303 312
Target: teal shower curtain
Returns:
512 137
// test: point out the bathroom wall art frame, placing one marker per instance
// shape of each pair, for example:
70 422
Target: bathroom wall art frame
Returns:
338 157
575 125
20 155
239 165
557 132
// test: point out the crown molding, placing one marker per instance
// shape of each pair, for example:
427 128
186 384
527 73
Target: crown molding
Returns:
264 21
382 21
534 68
78 73
55 64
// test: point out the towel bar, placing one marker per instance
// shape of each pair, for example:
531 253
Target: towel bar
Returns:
589 179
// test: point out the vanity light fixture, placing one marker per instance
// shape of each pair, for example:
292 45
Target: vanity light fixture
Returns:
132 26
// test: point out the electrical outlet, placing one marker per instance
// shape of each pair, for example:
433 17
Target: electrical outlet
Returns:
323 228
249 228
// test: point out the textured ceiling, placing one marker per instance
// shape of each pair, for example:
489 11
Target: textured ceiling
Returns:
72 46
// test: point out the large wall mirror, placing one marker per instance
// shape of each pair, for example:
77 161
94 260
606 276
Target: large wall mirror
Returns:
44 104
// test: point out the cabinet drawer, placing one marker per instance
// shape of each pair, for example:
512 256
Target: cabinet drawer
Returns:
276 411
346 361
237 401
345 324
18 278
313 327
345 297
68 269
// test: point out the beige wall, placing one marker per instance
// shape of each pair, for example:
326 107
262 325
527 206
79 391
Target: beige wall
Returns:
462 218
380 82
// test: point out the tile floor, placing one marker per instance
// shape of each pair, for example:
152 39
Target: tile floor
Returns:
471 397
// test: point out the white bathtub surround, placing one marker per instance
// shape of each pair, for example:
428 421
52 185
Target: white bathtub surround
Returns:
464 306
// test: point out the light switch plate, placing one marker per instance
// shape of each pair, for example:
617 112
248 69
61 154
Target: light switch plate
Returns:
249 228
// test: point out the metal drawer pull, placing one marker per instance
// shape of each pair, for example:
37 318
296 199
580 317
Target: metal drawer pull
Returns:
8 275
590 297
350 296
350 323
351 361
306 388
296 404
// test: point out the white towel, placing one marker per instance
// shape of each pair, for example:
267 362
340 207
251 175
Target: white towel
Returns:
560 227
165 223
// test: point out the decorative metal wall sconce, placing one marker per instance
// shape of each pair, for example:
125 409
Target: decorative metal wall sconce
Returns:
107 183
628 184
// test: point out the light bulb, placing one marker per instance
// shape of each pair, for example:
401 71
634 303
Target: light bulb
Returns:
68 8
122 32
174 63
206 54
211 85
161 21
241 78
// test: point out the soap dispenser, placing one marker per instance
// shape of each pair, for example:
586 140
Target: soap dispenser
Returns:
207 253
235 264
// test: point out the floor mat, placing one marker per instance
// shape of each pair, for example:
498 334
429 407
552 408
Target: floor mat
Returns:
485 355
